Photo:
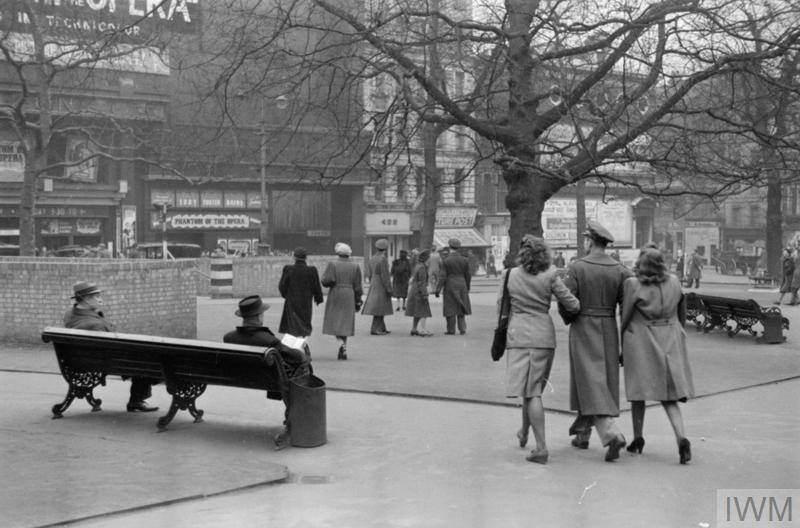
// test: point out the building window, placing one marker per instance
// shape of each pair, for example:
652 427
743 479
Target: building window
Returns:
379 190
419 179
458 186
402 183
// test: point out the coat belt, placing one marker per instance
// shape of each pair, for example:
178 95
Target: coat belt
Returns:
597 311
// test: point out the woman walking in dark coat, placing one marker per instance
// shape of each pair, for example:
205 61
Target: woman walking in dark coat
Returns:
787 273
401 273
654 347
418 306
343 277
299 285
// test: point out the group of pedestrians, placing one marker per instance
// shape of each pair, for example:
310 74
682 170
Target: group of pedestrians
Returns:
650 343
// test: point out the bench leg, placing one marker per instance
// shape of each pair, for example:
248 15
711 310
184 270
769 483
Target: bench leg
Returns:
81 386
183 398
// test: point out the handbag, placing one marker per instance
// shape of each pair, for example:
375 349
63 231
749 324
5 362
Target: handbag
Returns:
501 332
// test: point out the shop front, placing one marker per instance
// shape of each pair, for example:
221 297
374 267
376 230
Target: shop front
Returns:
394 226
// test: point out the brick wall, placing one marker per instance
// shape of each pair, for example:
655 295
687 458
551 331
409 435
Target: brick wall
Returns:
260 275
140 296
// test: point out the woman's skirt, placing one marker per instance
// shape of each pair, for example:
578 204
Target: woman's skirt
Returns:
527 371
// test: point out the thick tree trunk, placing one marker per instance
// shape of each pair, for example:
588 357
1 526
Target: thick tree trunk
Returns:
774 239
526 197
27 228
431 197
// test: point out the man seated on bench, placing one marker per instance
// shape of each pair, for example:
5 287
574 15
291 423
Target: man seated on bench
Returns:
86 314
254 333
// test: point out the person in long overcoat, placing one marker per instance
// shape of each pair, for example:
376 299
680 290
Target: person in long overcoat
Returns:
787 273
253 332
454 280
695 269
379 297
596 279
401 273
86 313
343 277
531 336
434 267
299 285
654 347
680 265
795 277
418 306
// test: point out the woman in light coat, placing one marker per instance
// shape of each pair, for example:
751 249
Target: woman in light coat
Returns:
531 338
654 347
343 277
787 273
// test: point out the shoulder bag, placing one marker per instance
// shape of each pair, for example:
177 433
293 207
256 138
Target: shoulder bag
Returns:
500 333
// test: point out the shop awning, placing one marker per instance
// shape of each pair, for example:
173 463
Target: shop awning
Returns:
469 237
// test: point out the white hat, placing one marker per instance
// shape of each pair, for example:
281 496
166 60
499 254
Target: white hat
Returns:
342 249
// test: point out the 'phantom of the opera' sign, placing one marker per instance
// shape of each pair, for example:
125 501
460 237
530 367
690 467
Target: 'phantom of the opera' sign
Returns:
138 20
209 221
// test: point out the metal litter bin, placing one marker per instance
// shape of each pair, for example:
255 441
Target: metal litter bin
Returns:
307 418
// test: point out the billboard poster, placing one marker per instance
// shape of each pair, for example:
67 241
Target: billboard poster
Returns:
79 151
560 220
12 162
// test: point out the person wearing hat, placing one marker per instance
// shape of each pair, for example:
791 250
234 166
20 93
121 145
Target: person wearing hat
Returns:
454 281
378 303
594 351
343 277
253 332
86 314
299 285
401 273
418 306
787 273
695 272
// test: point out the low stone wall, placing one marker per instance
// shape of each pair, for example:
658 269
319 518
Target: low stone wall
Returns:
259 275
140 296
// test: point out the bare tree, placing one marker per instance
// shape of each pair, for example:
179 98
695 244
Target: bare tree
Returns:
621 77
57 57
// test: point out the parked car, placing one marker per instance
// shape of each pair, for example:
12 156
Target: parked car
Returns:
153 250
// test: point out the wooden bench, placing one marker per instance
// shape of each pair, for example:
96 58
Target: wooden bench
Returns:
735 315
185 366
762 282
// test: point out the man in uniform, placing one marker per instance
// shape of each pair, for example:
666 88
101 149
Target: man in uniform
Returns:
596 280
253 332
455 279
379 298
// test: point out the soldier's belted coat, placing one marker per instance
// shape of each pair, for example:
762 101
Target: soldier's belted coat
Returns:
454 281
596 280
379 296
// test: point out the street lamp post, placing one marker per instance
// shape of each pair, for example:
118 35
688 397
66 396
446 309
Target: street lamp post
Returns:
266 232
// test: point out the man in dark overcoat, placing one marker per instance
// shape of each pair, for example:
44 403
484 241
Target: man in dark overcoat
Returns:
379 297
454 281
253 332
299 285
594 352
86 314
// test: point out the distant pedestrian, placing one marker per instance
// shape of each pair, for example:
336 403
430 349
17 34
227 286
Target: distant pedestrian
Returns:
680 266
558 260
299 285
434 267
343 277
531 335
253 332
401 273
454 281
695 269
378 303
418 306
87 314
596 279
787 273
654 347
795 277
491 268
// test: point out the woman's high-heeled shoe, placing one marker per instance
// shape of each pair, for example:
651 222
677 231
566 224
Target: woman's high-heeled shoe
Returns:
636 446
523 438
685 450
538 457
